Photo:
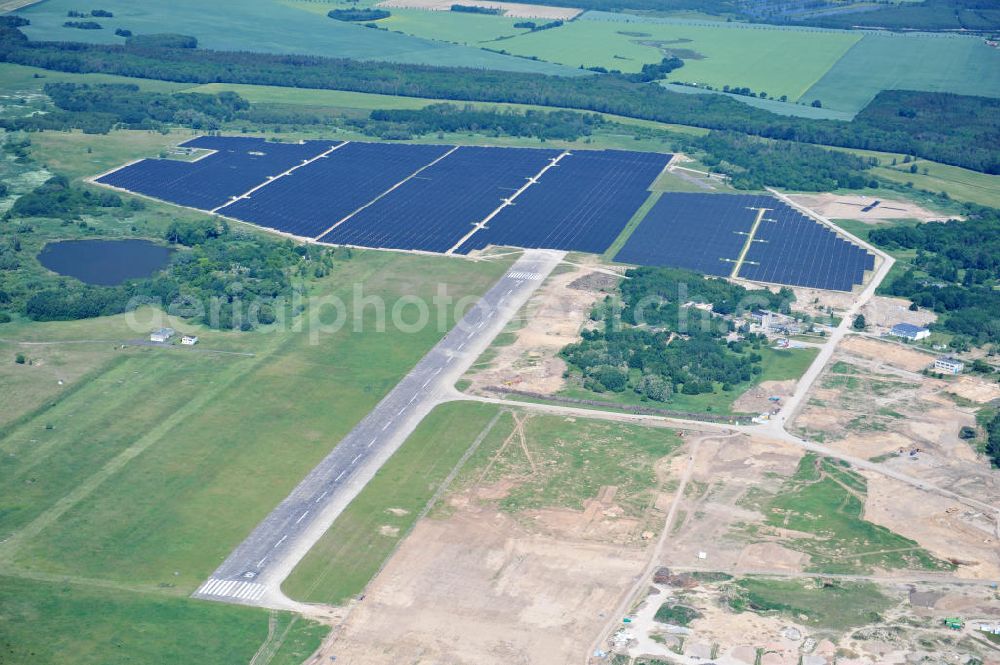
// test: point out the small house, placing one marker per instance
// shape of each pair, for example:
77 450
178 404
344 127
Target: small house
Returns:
189 340
949 365
161 335
909 332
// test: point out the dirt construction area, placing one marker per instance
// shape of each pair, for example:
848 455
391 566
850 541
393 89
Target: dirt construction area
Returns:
844 206
526 356
871 402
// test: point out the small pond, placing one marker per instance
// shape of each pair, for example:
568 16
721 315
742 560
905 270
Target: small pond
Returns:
104 262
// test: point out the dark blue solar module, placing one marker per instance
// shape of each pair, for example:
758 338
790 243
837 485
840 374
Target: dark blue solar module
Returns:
790 248
435 209
701 232
319 195
240 164
580 204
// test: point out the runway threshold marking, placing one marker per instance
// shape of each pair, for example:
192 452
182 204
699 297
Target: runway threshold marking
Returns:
231 589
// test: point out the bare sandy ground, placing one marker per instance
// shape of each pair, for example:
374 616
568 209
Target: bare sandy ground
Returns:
512 9
477 588
883 313
551 320
889 353
840 206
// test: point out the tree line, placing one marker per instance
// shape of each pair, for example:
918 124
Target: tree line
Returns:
956 271
98 108
397 124
947 128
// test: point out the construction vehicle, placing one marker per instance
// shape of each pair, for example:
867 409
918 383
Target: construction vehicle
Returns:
954 623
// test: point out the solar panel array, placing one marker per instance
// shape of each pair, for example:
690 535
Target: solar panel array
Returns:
708 233
431 197
701 232
582 203
406 196
434 210
794 249
329 189
240 164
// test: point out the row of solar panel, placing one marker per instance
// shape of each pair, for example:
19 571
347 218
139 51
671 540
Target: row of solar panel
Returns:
708 233
404 196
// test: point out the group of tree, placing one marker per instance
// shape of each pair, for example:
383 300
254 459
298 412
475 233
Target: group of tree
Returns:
402 124
477 9
83 25
535 27
955 272
754 163
98 108
992 427
57 198
654 342
948 128
358 15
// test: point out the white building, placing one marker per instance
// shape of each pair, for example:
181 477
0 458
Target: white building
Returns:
909 331
949 365
161 335
189 340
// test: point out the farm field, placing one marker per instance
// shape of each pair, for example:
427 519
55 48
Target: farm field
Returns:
715 54
265 26
50 621
929 62
173 458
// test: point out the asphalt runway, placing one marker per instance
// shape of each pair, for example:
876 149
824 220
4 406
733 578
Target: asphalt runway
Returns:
252 574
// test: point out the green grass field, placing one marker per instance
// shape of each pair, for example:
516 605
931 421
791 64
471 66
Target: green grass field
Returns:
456 27
570 460
919 61
828 607
61 622
186 414
266 26
349 554
826 499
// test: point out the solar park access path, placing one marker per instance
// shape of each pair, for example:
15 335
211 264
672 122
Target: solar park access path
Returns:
253 572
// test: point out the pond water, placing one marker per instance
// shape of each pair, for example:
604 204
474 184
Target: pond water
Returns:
104 262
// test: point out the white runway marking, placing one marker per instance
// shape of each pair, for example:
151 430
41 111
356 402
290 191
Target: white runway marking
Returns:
461 345
232 588
261 562
428 381
340 476
283 539
353 461
372 442
401 411
302 517
524 276
386 426
320 497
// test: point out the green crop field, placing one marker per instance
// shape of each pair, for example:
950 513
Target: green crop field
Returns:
130 468
62 621
365 534
267 26
892 61
457 27
716 54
